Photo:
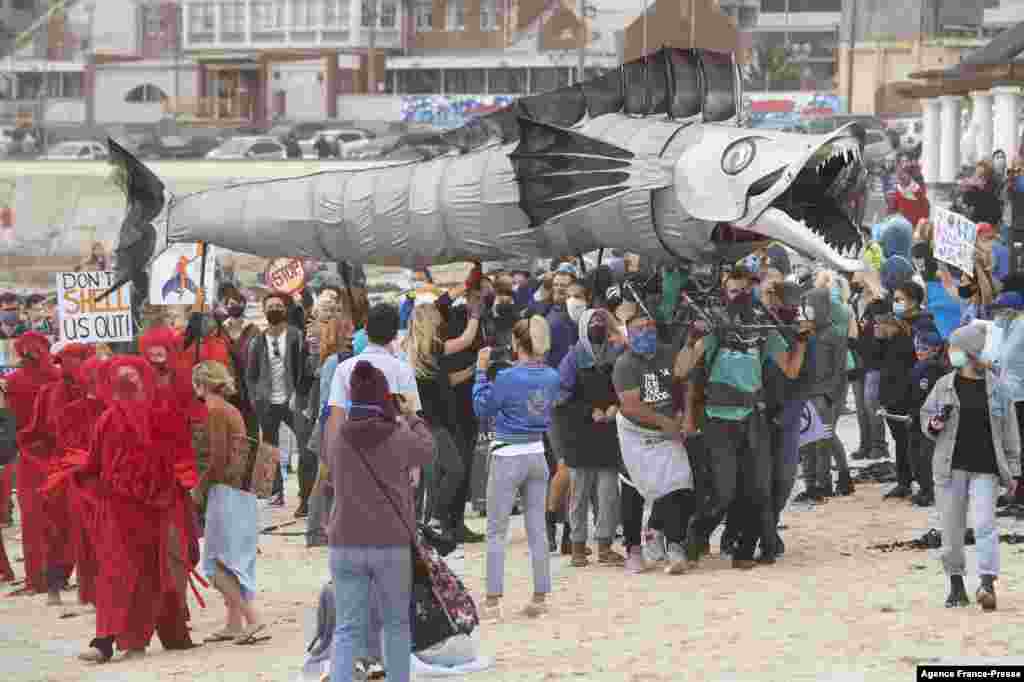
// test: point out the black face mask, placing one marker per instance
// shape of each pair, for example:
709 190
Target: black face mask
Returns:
857 288
276 316
597 335
236 310
966 291
488 300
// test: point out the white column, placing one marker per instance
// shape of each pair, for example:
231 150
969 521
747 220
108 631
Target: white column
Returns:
949 151
983 119
931 139
1007 120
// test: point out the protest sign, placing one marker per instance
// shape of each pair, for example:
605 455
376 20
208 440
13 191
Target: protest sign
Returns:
176 272
286 275
84 320
954 239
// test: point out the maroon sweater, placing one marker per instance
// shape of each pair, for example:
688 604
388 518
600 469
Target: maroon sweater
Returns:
362 513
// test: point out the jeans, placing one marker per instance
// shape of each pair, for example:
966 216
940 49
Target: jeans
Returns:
606 484
270 423
816 457
980 492
389 569
320 504
738 453
785 454
872 428
837 447
505 478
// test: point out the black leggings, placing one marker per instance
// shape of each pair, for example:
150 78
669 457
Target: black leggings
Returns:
469 430
670 514
901 436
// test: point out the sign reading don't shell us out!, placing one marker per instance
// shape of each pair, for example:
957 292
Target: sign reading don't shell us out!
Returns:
83 319
286 275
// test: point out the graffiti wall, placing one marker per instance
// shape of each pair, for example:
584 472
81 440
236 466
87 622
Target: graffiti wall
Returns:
793 105
450 111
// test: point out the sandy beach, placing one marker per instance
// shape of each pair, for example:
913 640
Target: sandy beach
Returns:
831 609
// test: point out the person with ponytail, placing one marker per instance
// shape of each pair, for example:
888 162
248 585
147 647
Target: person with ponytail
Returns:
520 399
977 448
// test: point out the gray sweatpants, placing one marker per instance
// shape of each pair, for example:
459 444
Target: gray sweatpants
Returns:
980 492
585 481
507 475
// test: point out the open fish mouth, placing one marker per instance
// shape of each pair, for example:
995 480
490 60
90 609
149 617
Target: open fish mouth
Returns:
820 211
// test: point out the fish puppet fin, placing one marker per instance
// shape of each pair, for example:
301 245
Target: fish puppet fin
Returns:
561 171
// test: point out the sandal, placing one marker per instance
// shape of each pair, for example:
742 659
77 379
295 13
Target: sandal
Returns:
222 636
252 635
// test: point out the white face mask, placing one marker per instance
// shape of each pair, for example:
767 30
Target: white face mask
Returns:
538 296
575 308
805 313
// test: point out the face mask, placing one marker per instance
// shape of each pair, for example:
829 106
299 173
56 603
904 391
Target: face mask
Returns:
958 358
220 313
786 314
645 342
753 263
899 309
236 310
805 313
597 335
9 317
965 291
575 308
276 316
836 295
538 297
999 165
489 300
741 299
126 387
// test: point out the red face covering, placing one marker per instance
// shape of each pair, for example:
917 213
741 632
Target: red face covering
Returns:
132 392
72 358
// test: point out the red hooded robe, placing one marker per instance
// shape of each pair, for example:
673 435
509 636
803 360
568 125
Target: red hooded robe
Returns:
45 439
78 419
177 411
23 389
137 497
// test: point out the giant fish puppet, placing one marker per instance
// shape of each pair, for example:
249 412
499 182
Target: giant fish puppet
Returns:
647 158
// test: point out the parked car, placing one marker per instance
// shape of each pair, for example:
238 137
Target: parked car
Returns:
173 147
345 141
260 148
85 150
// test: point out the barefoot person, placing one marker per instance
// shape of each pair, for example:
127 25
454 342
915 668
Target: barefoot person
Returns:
977 446
232 513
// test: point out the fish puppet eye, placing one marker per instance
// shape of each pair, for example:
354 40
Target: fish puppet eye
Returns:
738 156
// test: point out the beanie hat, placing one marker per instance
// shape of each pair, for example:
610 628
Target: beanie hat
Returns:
897 236
970 338
368 389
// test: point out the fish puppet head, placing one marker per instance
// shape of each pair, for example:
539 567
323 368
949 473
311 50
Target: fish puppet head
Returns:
798 189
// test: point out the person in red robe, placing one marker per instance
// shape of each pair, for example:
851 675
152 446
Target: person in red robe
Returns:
137 487
23 387
42 445
909 198
177 412
76 428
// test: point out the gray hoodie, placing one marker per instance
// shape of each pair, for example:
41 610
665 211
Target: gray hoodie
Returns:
825 359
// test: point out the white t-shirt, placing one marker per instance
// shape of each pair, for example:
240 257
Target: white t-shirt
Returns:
276 348
400 375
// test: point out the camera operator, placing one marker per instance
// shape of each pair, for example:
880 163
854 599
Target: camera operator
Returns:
729 379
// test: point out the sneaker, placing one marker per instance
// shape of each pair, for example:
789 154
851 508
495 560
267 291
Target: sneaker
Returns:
375 671
635 561
535 609
654 547
491 613
276 500
677 563
923 499
303 510
606 556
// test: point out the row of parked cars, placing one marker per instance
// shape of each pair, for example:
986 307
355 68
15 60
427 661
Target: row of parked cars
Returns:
308 141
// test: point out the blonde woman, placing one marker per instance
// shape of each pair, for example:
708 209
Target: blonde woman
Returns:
520 399
232 514
425 351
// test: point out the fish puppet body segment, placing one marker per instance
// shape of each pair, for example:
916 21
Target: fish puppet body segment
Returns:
646 158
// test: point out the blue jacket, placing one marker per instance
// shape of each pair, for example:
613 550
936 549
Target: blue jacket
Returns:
564 334
520 399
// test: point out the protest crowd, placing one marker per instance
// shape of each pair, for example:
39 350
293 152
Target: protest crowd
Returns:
624 436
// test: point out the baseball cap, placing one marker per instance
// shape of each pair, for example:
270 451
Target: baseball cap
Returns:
985 229
569 269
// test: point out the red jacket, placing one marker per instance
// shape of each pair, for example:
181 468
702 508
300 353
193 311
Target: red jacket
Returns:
913 209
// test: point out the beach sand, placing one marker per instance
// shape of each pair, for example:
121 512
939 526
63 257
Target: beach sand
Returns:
831 609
